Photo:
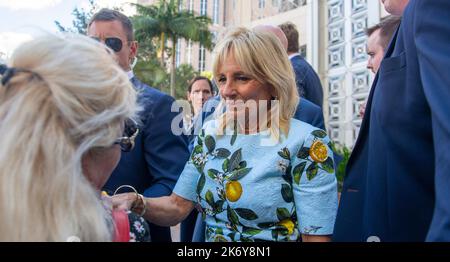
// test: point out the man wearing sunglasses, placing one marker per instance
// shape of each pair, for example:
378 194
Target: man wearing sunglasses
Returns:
158 157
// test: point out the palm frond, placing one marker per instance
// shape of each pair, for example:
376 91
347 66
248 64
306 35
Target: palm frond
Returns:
144 10
146 27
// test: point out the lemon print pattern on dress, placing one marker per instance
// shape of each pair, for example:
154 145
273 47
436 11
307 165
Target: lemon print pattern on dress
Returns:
233 191
288 224
318 152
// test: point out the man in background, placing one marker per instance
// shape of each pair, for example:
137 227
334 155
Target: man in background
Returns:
397 184
308 82
379 37
154 165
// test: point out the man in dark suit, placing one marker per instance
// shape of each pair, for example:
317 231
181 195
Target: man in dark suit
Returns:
308 83
378 38
153 167
397 186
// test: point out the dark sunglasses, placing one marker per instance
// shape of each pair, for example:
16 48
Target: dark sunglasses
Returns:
130 132
112 42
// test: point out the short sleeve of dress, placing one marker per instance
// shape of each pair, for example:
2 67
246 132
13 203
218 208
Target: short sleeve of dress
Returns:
187 183
315 185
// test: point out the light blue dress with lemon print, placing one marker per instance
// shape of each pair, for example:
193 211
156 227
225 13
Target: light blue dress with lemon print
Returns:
252 190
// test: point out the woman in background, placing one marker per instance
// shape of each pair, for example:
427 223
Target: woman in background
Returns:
200 89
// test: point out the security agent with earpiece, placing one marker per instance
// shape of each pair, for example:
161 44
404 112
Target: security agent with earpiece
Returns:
153 167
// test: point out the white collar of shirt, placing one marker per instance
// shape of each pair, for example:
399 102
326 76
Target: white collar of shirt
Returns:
130 74
293 55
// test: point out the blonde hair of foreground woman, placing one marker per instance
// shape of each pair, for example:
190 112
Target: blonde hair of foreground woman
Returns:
261 55
72 103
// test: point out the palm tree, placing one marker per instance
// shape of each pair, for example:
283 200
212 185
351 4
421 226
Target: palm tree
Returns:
167 22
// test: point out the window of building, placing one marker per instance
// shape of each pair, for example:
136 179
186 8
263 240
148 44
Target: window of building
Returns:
189 52
203 7
215 37
275 3
178 53
262 4
216 12
225 14
287 5
201 58
298 3
191 5
303 51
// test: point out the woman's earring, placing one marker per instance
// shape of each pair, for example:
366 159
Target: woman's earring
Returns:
135 60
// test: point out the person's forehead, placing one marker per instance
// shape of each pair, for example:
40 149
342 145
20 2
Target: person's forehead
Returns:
230 64
200 84
374 40
107 29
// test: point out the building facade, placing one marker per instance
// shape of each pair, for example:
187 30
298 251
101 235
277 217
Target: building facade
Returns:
342 63
192 53
332 40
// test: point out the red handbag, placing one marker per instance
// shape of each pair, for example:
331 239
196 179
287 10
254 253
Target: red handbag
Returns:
121 226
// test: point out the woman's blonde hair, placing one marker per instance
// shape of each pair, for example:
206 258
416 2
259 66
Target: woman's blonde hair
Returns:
261 55
67 98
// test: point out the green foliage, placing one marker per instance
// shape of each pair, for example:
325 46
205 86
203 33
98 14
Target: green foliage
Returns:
166 18
286 193
184 74
345 153
298 171
151 73
283 213
149 23
201 183
246 214
81 19
166 22
312 171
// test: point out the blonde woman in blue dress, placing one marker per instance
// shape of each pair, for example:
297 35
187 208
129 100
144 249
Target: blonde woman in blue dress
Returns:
246 188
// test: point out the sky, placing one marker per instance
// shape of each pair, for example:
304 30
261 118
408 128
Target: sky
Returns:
21 20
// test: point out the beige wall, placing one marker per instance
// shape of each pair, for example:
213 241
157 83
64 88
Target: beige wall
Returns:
299 17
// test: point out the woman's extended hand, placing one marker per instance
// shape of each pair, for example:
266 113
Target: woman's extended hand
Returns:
124 201
165 211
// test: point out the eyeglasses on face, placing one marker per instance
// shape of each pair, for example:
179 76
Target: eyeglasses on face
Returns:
130 132
112 42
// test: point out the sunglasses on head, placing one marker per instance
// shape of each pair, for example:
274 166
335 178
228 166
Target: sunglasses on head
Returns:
112 42
130 132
